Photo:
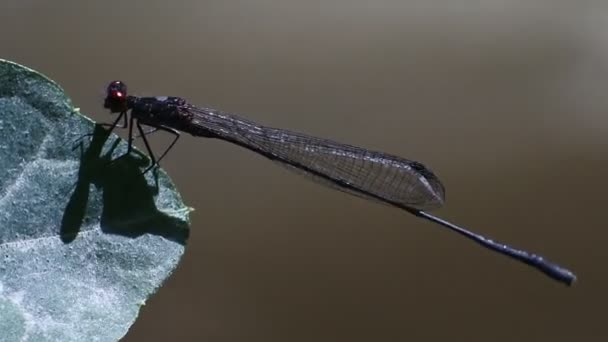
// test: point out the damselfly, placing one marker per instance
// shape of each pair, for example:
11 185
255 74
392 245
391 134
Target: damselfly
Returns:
378 176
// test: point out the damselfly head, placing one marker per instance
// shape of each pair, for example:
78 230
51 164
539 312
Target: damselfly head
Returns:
116 97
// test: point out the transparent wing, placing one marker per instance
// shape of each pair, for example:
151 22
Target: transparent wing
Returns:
369 174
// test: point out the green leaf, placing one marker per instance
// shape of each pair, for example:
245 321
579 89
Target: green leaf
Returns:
83 242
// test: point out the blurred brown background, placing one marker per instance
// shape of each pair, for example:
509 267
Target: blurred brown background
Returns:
504 100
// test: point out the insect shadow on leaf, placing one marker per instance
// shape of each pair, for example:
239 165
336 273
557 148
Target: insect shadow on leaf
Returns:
128 199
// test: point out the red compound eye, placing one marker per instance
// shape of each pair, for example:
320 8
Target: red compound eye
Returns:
115 94
117 89
116 98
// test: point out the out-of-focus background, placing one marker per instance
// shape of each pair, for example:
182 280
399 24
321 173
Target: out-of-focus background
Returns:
504 100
